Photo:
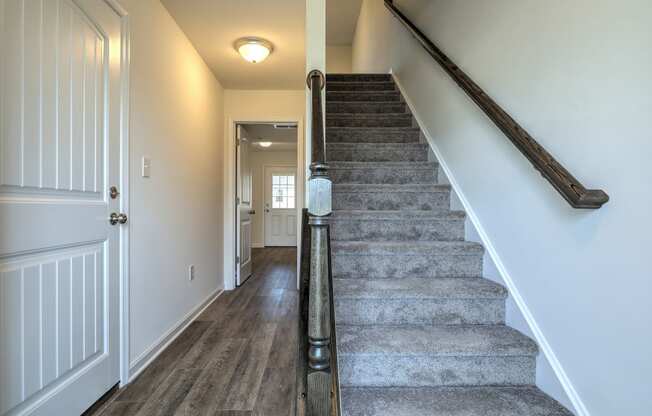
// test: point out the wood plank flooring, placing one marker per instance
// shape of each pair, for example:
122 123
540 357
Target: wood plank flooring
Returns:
236 359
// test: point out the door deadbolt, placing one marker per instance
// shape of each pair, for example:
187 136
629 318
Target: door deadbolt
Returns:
116 218
113 192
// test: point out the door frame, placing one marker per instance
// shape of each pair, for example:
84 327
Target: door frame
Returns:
125 193
229 232
297 196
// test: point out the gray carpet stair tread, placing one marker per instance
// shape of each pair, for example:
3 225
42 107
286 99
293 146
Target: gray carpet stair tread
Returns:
351 95
371 165
401 115
436 340
372 135
384 82
343 77
366 107
356 96
360 86
402 248
390 103
418 288
449 401
355 215
373 146
370 130
380 188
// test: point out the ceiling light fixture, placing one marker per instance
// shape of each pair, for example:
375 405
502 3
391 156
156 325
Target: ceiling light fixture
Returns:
253 50
264 144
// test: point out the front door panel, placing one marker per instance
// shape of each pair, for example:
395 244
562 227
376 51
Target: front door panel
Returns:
59 257
280 206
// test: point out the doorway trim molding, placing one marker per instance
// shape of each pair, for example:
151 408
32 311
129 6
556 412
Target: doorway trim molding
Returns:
125 63
229 185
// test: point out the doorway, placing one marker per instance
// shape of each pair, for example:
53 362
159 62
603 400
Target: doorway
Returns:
267 199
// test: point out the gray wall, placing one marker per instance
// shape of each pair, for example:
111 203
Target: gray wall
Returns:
576 75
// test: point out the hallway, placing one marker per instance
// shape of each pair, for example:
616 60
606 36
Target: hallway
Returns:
235 359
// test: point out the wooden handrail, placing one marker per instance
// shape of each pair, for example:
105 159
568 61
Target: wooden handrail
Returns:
565 183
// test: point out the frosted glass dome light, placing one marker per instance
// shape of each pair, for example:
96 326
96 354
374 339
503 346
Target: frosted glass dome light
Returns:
253 50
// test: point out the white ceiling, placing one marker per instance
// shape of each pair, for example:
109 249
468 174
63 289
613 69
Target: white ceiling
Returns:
341 19
282 139
213 25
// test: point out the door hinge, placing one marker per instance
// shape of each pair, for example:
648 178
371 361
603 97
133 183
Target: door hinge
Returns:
237 200
237 259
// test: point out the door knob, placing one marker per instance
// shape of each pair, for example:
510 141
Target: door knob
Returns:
116 218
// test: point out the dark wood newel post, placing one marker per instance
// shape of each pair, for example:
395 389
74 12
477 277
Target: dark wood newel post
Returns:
321 359
319 330
316 83
319 208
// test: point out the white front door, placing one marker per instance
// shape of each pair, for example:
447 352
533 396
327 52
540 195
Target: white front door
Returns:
60 106
280 206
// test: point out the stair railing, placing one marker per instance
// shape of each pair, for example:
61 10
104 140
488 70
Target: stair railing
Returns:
560 178
317 378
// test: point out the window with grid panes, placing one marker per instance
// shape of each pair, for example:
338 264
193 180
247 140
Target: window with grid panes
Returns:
283 191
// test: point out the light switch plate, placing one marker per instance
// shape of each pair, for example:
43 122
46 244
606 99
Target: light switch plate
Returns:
146 167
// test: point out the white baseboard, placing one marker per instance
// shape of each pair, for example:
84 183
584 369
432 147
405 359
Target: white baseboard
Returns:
544 346
143 360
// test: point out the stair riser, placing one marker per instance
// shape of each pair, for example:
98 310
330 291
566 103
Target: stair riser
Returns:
384 370
360 86
401 266
364 108
358 78
369 121
379 153
420 311
391 201
384 176
398 230
334 135
358 96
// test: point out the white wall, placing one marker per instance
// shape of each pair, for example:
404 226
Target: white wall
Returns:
258 161
254 106
575 74
339 59
176 120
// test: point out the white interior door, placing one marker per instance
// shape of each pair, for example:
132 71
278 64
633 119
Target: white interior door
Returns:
280 206
243 206
60 75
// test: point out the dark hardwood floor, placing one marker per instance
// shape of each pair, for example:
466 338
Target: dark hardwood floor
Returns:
236 359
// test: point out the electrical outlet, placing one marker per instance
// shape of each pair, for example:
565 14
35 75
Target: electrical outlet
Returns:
191 272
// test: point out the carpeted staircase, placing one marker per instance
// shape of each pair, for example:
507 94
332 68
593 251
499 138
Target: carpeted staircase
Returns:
420 332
